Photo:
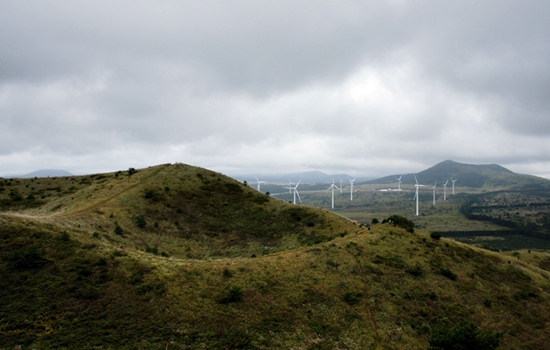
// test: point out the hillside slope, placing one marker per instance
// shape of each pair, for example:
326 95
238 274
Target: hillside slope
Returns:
240 270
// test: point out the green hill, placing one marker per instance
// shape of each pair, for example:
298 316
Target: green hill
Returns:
179 257
487 176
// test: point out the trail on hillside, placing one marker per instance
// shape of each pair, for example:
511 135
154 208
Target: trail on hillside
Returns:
103 201
27 215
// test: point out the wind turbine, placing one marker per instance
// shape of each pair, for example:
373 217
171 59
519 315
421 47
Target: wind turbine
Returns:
259 182
332 187
295 189
351 190
399 182
434 188
340 185
453 184
416 193
289 186
445 190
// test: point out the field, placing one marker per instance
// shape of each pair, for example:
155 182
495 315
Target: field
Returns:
523 209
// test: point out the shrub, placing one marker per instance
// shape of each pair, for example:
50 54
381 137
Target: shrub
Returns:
140 221
30 258
152 195
415 270
401 221
353 298
449 274
131 171
375 221
435 235
64 236
464 336
234 295
118 230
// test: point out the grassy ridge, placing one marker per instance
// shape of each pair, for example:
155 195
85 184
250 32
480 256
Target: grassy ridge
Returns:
255 273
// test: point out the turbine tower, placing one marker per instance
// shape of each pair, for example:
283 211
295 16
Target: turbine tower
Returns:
399 182
453 184
295 189
434 188
332 187
445 190
259 182
289 186
351 190
416 193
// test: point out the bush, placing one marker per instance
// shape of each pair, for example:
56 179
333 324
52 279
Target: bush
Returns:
375 221
234 295
416 270
30 258
140 221
400 221
118 230
152 195
435 235
465 336
353 298
449 274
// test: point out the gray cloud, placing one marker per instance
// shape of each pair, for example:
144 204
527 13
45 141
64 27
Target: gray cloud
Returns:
368 88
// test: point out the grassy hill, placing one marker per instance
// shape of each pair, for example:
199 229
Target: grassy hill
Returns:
486 176
179 257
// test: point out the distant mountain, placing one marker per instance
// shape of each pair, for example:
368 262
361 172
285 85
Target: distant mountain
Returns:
47 173
314 176
470 175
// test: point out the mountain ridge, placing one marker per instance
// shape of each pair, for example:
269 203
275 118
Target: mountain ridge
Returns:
468 175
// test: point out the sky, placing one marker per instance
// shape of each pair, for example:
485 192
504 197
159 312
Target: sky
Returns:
367 88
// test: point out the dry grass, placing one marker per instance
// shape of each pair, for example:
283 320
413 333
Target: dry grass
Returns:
309 280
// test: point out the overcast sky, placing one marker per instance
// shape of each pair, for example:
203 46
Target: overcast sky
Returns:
369 88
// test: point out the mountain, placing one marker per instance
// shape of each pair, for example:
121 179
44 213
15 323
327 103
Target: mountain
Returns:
44 173
179 257
307 177
489 176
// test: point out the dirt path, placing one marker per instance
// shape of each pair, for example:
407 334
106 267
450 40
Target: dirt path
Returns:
103 201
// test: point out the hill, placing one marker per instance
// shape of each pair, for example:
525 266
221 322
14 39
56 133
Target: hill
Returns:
487 176
179 257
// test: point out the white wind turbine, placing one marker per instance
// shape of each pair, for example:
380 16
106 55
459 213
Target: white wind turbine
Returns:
295 189
289 186
332 187
416 193
259 182
399 182
445 190
453 184
351 190
434 188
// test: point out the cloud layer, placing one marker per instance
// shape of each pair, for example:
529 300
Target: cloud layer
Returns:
364 88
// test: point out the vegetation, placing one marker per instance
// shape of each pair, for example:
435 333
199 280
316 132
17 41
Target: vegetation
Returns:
211 263
464 336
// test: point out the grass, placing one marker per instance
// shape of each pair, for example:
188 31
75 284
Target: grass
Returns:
242 270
